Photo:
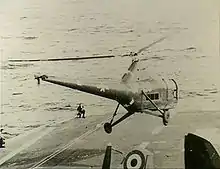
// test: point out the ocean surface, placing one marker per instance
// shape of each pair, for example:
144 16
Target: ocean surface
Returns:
42 29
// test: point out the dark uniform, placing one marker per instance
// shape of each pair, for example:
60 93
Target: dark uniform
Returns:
81 111
2 142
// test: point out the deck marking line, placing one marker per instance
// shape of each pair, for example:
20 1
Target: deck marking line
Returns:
44 160
62 149
11 140
18 150
26 145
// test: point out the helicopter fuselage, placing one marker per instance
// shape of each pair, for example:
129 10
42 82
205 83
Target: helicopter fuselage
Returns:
164 98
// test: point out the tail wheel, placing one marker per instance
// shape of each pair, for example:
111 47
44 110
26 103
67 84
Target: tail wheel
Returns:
108 128
166 116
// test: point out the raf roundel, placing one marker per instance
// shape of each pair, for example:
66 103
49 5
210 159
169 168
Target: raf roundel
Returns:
134 159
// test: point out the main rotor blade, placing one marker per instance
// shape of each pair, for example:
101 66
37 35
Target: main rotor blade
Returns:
150 45
144 48
61 59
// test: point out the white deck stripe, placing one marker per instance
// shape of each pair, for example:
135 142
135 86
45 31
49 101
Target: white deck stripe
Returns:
11 140
26 145
72 142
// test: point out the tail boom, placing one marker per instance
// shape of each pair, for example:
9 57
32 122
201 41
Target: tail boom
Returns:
113 94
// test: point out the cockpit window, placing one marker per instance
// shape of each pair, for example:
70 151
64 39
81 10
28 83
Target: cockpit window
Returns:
156 96
153 96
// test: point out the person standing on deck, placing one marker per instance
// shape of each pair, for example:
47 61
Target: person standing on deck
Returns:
2 142
81 111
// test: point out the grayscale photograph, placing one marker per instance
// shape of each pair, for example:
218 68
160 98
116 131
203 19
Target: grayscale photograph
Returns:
110 84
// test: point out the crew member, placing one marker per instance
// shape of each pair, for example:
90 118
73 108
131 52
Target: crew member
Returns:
2 142
81 111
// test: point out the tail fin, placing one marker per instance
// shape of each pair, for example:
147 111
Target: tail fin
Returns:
200 153
107 159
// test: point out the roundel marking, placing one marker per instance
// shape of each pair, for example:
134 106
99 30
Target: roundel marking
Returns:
134 159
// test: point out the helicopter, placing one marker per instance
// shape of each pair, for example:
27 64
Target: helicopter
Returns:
142 99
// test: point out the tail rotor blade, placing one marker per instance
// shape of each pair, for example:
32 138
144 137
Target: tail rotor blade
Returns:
107 159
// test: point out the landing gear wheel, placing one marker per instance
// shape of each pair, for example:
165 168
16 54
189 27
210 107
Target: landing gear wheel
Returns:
166 116
108 128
